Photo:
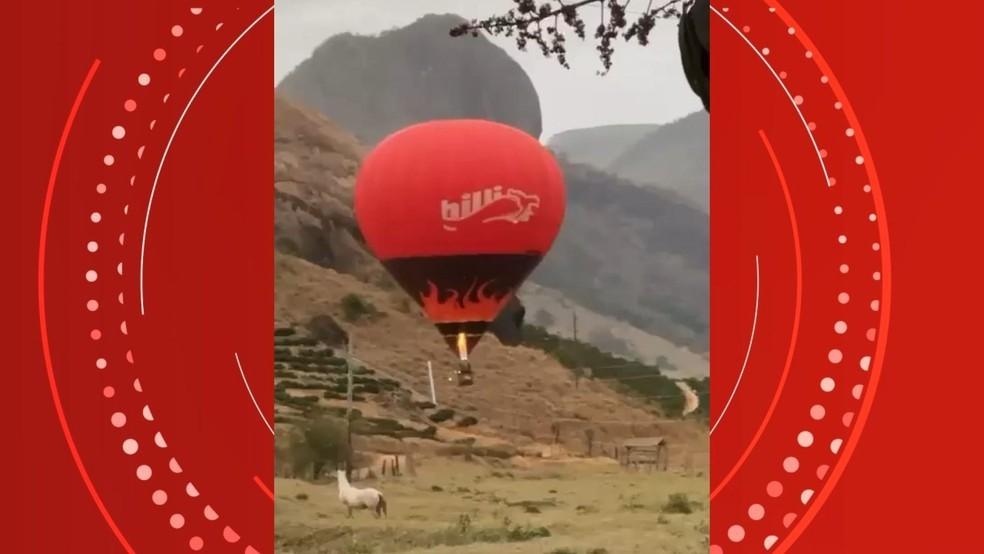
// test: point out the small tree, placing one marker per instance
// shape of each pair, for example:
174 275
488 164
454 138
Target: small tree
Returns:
578 374
589 435
328 441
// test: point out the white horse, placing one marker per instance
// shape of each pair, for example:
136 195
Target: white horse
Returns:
354 498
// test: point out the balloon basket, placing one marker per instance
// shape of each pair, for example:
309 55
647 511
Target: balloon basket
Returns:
465 376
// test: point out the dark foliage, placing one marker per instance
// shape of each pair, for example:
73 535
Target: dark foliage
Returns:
635 377
546 24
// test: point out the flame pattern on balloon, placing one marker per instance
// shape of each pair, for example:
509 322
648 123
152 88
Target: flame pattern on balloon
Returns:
477 304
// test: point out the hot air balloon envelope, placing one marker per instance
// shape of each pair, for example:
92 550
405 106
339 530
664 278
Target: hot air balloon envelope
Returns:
460 212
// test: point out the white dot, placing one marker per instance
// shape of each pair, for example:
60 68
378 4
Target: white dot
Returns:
736 533
177 30
843 298
765 51
770 541
824 79
809 54
791 31
143 79
191 490
876 276
791 464
838 210
875 246
95 217
805 439
875 305
108 159
835 445
835 356
92 305
856 391
817 412
147 414
119 132
159 440
872 217
130 446
756 512
842 239
101 363
118 419
866 188
159 497
806 495
859 160
92 246
849 132
865 363
144 472
101 188
827 384
844 268
838 105
177 521
840 327
798 99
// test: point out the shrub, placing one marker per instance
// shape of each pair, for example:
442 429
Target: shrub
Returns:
441 415
527 533
354 308
368 388
358 548
678 503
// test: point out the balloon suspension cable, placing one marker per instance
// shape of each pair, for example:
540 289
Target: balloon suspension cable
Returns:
464 372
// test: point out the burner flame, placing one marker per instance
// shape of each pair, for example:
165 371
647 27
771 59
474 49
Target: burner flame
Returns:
474 305
462 347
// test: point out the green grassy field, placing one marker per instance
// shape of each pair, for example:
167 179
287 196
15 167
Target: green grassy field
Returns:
458 507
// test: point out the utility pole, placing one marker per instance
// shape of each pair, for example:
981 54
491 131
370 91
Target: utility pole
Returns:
430 375
577 371
348 410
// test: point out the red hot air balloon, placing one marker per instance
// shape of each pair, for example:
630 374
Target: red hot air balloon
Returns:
460 212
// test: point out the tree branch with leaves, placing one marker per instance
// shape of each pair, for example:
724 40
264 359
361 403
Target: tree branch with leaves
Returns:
547 24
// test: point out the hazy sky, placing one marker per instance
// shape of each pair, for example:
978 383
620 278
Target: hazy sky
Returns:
646 84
